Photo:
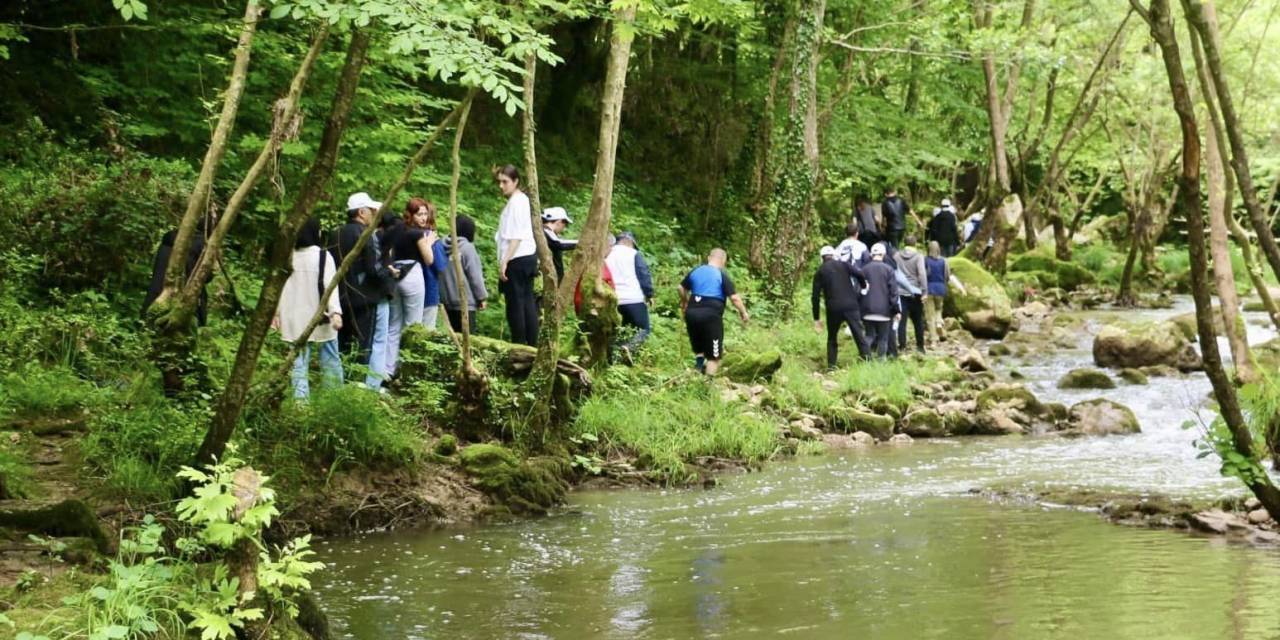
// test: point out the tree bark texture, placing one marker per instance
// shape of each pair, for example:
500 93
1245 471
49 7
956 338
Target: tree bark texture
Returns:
231 401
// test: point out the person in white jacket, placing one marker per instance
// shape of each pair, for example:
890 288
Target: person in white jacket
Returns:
634 284
313 270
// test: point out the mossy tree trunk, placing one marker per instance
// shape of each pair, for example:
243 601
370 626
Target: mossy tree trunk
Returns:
760 176
1161 23
230 403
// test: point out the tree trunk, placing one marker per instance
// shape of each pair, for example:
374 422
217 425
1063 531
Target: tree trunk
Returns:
793 198
1202 16
1189 201
231 402
760 179
174 342
473 385
1125 296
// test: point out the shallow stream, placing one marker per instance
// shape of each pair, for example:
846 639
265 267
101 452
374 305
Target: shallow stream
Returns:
887 543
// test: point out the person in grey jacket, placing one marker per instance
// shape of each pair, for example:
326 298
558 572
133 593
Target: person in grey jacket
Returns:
911 264
473 272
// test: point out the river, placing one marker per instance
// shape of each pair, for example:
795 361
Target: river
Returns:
886 543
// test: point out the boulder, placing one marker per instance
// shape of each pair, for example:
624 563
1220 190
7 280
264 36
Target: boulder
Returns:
1217 521
525 486
804 429
1187 323
746 366
900 439
1133 376
958 416
1102 417
1050 272
1004 409
972 361
1125 345
983 308
1086 379
999 349
1259 516
856 440
850 419
1009 395
1033 317
924 423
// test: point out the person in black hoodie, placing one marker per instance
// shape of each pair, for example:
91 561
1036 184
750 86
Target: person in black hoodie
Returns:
879 303
944 229
834 283
367 283
894 211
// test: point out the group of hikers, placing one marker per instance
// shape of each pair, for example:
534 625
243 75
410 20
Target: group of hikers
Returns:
876 276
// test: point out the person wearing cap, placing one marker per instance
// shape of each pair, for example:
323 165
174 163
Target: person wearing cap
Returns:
944 229
517 259
634 285
472 277
365 290
879 304
703 294
834 282
554 222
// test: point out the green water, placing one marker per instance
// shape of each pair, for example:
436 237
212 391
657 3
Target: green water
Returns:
887 543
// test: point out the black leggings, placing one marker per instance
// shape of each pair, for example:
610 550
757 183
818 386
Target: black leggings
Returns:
455 320
913 309
851 317
522 307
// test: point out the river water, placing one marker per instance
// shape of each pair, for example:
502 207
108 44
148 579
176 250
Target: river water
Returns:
886 543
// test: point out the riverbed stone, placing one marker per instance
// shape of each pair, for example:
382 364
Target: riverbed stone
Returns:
1259 516
855 440
999 350
1140 344
1086 379
1217 521
1102 417
983 308
804 429
971 360
1033 317
959 417
1009 395
1187 323
901 439
1133 376
851 419
924 423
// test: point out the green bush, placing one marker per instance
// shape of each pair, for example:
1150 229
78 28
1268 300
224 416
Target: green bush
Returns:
347 425
37 391
139 442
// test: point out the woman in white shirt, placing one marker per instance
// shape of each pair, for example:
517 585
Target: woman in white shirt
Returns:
517 259
313 270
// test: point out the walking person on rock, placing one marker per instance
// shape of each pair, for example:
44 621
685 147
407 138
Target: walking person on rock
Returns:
703 294
835 282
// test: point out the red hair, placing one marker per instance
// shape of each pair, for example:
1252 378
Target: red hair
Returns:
412 208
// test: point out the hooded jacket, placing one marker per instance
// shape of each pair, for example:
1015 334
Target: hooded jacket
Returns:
943 228
881 298
911 263
472 269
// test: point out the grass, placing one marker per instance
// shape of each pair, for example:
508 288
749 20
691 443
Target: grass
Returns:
37 391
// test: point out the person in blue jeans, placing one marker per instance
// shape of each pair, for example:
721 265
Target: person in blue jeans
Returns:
313 270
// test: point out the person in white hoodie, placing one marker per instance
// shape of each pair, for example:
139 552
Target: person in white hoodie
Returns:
313 270
634 284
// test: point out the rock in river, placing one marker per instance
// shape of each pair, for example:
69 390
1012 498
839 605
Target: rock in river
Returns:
1086 379
1124 345
1102 417
983 308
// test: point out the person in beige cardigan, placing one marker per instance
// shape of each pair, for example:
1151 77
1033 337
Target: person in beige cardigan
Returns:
313 270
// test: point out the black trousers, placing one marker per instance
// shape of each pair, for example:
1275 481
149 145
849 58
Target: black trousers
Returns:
455 319
880 334
894 236
522 307
912 309
853 318
356 334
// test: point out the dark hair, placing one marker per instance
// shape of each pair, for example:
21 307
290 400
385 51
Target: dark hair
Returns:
851 229
910 240
388 220
510 171
352 214
466 228
308 235
411 209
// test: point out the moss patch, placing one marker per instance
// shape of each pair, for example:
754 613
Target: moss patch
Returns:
746 367
1086 379
532 486
983 307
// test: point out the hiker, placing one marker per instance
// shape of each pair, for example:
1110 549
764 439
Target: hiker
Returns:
161 263
554 221
894 211
313 270
365 290
911 264
971 226
865 216
472 276
517 259
879 303
834 282
939 277
851 250
634 285
943 229
412 245
703 294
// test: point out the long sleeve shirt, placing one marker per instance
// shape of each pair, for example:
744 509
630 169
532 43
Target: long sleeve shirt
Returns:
834 281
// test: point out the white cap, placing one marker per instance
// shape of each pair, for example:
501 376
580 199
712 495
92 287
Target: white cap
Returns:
827 250
877 249
362 201
946 202
551 214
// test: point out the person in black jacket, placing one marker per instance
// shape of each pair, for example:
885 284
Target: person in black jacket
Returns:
945 229
880 302
894 211
834 283
554 221
367 283
161 263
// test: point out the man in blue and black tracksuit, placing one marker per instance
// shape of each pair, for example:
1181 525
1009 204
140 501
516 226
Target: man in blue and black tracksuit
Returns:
703 294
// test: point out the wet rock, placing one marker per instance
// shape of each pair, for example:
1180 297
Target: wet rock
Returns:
1217 521
999 349
850 419
1160 371
924 423
1187 323
1133 376
804 429
1086 379
958 416
983 308
857 440
1033 317
1259 516
1125 345
1252 503
528 486
999 421
972 361
1014 374
900 439
1102 417
747 367
1010 396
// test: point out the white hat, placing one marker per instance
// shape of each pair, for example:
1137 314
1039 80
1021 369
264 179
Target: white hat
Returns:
551 214
827 250
946 202
362 201
877 249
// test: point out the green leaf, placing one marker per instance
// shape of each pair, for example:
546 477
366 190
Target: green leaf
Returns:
281 10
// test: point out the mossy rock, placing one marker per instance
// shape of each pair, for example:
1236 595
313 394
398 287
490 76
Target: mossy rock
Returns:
1101 417
1072 276
447 445
532 486
983 308
1034 261
1140 344
1255 306
849 420
1267 355
1187 323
1133 376
66 518
924 423
1010 395
745 367
999 349
1086 379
